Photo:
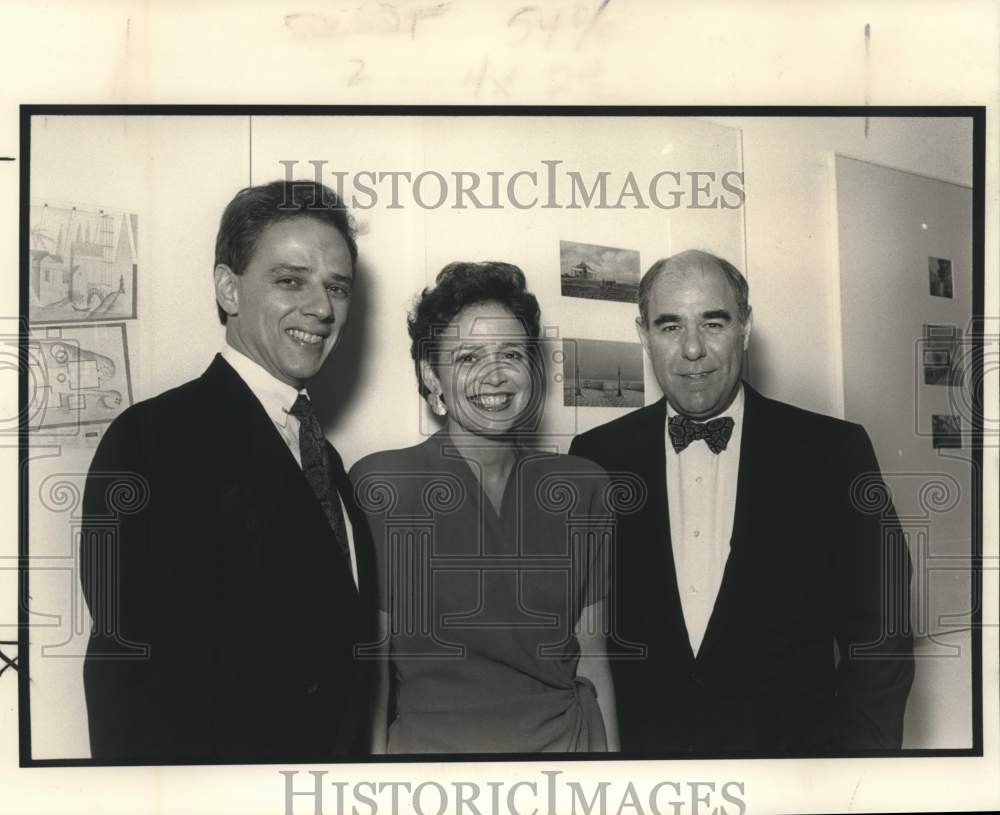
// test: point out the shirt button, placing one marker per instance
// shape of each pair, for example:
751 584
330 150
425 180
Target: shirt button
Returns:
699 479
697 534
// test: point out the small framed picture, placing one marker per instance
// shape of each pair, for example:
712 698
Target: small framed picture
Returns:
602 373
83 264
947 431
939 270
943 355
81 373
598 272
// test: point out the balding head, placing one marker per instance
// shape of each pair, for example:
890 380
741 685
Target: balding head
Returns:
694 260
695 327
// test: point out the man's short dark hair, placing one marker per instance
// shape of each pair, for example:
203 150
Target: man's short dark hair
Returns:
462 284
694 258
254 209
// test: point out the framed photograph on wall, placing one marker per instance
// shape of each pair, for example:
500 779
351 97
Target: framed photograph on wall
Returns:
598 272
942 355
601 373
941 283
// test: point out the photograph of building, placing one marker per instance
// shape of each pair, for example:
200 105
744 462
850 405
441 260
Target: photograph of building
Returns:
598 272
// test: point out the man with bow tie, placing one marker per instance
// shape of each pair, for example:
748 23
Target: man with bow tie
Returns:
768 594
229 596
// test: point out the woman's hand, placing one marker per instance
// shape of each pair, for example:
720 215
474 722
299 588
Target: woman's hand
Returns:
594 666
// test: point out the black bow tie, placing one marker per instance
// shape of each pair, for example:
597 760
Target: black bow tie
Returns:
716 432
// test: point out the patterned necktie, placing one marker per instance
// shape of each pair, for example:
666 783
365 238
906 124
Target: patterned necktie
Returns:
318 469
684 430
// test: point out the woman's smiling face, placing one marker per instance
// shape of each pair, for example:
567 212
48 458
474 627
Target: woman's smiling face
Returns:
483 370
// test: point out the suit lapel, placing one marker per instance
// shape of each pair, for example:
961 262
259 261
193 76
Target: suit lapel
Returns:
664 602
753 462
362 687
242 449
262 461
261 466
359 529
752 477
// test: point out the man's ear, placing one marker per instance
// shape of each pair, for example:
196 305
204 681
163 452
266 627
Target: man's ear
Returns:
640 329
747 327
429 378
227 293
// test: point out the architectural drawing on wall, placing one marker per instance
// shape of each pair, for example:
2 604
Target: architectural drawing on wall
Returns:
79 374
946 431
599 373
942 355
939 271
83 264
598 272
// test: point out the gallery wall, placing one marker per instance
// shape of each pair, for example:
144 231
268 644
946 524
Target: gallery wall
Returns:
791 234
177 174
906 304
403 249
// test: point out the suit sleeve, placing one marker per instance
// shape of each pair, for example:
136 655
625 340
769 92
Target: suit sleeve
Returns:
579 447
872 607
135 710
113 550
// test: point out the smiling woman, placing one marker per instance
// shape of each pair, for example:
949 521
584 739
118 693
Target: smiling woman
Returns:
482 377
493 601
474 343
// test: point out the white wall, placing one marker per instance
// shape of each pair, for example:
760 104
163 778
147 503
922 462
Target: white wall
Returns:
890 223
791 235
368 395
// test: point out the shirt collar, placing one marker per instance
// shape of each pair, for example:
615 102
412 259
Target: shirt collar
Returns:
734 411
276 396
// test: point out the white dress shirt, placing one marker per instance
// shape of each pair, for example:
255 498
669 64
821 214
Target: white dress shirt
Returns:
701 497
277 399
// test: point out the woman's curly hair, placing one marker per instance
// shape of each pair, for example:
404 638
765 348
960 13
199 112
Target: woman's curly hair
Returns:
462 284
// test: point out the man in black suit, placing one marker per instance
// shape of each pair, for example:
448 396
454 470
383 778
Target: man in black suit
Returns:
223 558
764 574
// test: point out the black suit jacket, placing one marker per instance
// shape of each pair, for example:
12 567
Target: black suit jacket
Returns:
816 559
225 619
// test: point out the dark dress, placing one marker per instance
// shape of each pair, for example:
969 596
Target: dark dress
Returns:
482 606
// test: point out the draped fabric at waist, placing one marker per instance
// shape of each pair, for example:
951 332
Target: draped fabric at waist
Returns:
551 720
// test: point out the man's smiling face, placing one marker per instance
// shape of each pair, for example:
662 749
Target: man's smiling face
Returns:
695 339
287 309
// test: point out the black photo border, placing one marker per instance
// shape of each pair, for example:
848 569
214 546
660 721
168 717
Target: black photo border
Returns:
977 116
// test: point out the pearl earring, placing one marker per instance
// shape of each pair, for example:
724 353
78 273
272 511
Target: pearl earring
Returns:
438 406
